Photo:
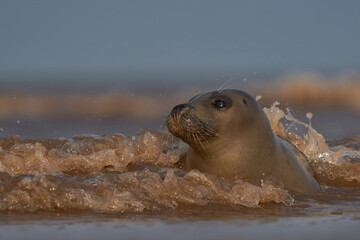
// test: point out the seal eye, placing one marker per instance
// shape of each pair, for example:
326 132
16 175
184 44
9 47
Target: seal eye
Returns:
220 103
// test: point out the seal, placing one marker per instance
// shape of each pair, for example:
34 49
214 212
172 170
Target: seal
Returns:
230 136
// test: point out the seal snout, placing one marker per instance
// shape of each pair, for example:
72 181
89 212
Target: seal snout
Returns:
177 110
186 122
174 119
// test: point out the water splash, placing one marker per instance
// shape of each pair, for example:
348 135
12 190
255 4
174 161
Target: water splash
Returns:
338 165
119 174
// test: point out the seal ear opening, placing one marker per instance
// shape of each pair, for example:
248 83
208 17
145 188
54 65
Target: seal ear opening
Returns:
244 101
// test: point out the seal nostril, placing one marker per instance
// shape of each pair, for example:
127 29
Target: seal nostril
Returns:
178 108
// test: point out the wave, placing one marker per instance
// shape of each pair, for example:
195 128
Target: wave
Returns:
119 174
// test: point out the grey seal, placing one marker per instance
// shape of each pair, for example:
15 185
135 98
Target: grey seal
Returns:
230 136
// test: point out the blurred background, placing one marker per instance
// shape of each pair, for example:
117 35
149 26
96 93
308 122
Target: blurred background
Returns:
75 67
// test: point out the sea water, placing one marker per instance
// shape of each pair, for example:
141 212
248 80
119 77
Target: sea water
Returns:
114 184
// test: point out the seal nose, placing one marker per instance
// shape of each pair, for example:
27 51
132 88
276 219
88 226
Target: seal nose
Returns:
178 109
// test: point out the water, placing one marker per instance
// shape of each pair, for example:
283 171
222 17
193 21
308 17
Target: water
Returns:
114 177
332 227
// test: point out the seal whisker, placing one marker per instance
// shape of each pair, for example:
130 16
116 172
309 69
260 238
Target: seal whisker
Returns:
222 87
195 141
201 144
204 150
209 129
163 127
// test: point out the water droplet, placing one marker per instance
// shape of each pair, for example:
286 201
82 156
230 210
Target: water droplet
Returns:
276 103
309 115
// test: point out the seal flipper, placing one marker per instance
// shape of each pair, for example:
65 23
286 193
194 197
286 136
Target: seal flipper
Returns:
299 155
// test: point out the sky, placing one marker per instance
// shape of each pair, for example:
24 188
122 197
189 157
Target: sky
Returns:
142 36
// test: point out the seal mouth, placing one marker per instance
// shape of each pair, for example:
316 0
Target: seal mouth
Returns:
187 126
